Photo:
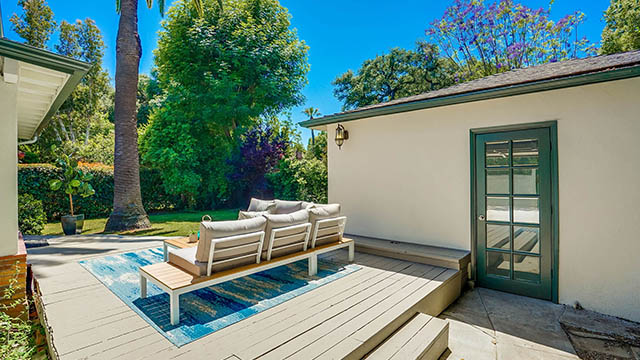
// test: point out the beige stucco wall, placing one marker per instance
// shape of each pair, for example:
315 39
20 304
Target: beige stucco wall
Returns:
8 169
406 177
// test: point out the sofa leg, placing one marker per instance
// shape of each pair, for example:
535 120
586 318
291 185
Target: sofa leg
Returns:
164 251
352 251
174 306
313 265
143 287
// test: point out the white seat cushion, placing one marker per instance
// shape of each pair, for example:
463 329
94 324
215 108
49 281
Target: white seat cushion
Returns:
250 214
276 221
287 207
327 232
210 230
261 205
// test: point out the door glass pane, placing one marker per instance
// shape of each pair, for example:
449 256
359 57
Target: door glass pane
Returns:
497 181
526 210
525 152
497 208
526 238
499 236
497 154
526 268
498 264
525 181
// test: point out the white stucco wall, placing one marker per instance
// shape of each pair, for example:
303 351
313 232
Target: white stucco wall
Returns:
406 177
8 169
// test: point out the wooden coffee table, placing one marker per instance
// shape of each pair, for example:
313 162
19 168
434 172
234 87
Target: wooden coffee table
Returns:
178 243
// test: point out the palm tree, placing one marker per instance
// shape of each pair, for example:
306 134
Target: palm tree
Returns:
311 112
128 212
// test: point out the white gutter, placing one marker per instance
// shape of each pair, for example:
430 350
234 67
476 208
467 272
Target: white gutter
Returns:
28 142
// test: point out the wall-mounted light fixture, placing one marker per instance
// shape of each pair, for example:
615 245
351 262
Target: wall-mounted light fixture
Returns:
341 135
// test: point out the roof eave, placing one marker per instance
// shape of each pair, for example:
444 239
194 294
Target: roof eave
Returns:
46 59
68 88
486 94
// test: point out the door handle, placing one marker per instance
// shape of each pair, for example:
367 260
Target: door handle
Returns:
481 217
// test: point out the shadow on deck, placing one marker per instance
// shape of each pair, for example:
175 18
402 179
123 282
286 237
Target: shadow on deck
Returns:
347 318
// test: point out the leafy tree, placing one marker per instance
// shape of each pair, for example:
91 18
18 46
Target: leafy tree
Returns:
394 75
319 149
79 126
78 116
148 93
220 74
482 38
128 211
312 112
68 42
260 150
300 179
300 174
622 30
36 24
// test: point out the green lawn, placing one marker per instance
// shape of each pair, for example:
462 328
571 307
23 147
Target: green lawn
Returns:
162 224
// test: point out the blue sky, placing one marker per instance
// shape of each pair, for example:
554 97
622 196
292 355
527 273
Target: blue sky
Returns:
340 34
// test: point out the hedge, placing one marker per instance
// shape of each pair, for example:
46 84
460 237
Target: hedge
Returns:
31 215
34 179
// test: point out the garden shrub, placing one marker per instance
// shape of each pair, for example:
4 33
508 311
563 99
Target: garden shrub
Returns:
33 179
31 215
18 337
300 179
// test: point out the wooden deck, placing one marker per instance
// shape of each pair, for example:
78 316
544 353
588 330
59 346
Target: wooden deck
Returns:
346 318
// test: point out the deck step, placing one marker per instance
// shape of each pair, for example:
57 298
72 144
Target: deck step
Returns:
423 254
423 337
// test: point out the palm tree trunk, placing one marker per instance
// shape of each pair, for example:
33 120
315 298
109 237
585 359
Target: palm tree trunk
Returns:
128 212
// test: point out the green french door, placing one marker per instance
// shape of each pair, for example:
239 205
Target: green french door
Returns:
513 210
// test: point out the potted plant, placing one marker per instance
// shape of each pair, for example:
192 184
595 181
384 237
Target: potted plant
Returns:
74 182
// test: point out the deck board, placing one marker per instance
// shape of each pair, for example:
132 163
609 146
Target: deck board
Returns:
372 318
294 336
89 321
326 297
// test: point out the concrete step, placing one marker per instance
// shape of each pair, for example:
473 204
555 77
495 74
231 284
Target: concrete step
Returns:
423 337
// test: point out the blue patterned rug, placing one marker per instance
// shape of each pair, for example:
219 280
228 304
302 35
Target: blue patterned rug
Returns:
205 311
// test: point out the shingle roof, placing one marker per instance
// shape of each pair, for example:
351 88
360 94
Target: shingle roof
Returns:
578 69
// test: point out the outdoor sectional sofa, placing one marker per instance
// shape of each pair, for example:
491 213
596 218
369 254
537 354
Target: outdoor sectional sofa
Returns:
269 234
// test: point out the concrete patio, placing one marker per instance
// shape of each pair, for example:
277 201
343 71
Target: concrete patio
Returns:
489 324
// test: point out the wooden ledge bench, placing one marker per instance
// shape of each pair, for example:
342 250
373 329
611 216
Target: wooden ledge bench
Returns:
177 243
176 281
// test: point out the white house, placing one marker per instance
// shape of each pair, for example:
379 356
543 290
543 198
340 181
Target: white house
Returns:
535 171
33 85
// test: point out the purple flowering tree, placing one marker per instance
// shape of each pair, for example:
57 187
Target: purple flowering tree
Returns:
259 153
483 38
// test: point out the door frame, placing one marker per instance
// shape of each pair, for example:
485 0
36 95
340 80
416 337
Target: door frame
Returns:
552 126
